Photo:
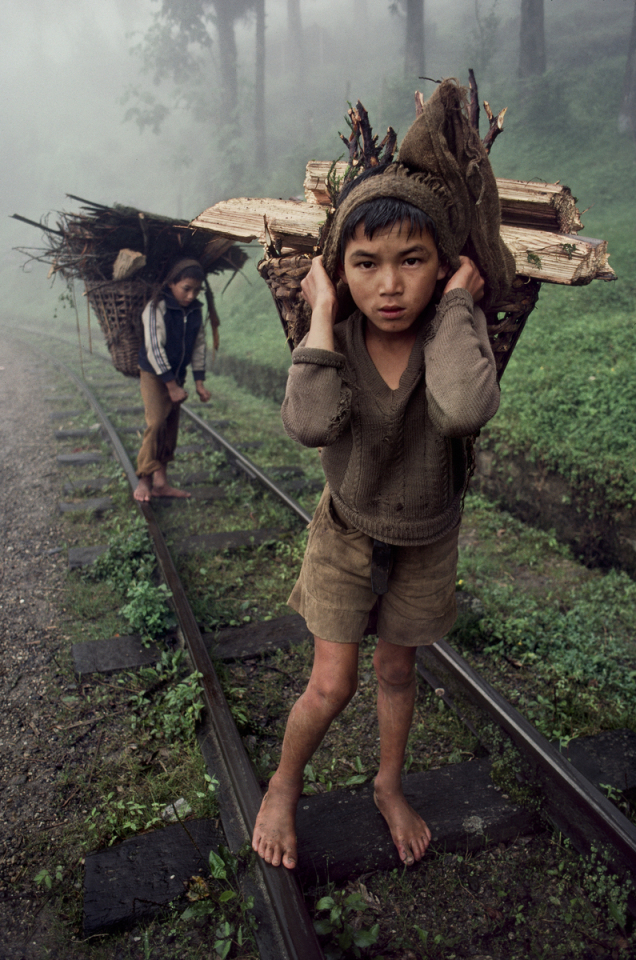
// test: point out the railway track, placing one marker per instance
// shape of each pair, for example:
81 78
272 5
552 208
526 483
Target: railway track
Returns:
575 805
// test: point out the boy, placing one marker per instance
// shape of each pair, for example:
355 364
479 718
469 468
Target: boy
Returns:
389 395
174 336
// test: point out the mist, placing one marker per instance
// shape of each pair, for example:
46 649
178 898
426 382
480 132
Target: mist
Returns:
67 68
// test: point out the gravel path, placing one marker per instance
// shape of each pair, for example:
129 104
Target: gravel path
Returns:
32 567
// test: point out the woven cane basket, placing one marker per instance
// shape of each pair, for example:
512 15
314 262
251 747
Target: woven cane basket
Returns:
118 305
506 320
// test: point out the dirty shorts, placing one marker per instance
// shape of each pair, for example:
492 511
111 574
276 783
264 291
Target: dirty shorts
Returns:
333 592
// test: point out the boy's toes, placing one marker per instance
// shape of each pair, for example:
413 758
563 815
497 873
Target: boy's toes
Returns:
289 860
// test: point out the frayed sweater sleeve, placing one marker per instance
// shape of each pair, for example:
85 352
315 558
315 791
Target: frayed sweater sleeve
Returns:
461 376
317 404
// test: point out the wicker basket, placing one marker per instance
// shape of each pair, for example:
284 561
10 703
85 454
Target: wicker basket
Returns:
118 306
506 320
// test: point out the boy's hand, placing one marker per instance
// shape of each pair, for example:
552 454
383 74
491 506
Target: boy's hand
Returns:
317 288
177 393
204 395
320 294
468 278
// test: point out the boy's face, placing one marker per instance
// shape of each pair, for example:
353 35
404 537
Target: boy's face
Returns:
392 277
185 291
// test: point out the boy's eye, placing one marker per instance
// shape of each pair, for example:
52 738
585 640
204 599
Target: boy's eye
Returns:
412 261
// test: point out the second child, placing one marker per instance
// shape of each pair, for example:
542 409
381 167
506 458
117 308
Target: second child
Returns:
174 338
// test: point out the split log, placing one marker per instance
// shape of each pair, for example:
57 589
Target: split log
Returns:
547 206
294 228
542 206
126 263
557 257
290 223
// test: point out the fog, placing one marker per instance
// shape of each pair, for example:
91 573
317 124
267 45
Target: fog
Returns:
65 67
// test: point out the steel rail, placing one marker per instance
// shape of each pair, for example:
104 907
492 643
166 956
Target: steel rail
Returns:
296 929
246 464
593 810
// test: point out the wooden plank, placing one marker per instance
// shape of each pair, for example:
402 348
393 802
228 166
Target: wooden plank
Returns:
550 206
254 639
341 834
540 254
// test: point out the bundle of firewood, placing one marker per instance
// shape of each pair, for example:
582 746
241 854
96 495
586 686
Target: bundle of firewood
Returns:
121 255
540 226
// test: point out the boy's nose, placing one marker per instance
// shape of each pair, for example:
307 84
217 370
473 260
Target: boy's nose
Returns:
390 280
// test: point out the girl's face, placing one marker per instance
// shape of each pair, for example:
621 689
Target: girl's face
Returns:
185 291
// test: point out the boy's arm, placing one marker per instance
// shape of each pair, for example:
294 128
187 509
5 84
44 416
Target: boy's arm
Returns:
461 376
317 402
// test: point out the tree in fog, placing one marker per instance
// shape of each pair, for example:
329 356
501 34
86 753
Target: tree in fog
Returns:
180 47
532 61
627 114
260 140
413 13
295 41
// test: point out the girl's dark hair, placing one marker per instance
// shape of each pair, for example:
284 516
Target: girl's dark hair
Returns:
384 212
181 270
185 270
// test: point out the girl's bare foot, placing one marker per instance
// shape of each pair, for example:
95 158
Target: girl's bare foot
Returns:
143 490
410 834
161 487
275 831
165 490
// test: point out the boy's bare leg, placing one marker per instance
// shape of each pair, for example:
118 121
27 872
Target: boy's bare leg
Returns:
161 487
143 490
332 684
395 669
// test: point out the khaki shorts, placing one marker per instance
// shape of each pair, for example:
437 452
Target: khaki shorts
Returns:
333 592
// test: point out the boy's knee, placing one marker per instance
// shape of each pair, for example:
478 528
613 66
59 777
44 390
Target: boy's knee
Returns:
335 692
393 672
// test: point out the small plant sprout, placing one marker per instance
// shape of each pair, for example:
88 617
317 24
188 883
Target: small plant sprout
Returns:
46 880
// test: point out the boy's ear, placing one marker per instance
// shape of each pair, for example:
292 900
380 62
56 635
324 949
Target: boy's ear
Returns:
341 272
443 271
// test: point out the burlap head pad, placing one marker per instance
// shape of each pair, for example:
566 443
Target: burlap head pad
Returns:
444 170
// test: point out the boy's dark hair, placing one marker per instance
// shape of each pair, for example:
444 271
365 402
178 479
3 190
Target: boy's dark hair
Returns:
382 213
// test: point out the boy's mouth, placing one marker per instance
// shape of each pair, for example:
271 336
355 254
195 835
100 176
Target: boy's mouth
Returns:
390 313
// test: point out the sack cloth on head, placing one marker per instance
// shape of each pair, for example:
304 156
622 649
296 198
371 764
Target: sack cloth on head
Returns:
443 170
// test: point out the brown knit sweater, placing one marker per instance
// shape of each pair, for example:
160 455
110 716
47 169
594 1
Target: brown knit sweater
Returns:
395 459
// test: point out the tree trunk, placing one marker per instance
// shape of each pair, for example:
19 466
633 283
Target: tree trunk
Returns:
260 142
627 114
227 57
532 60
295 43
414 47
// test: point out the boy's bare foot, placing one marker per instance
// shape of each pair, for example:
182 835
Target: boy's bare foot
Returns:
165 490
410 834
143 490
275 831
